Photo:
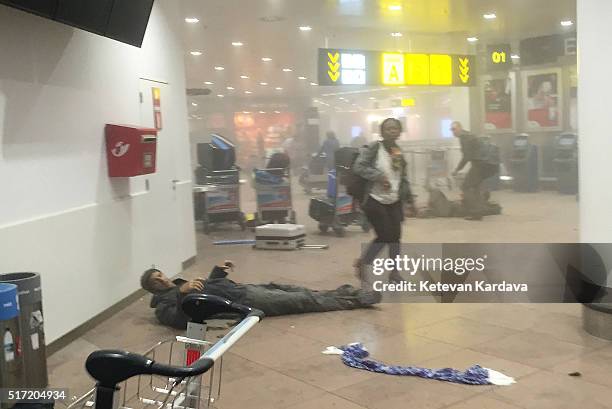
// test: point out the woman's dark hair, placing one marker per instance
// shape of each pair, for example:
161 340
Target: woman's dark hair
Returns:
145 280
382 125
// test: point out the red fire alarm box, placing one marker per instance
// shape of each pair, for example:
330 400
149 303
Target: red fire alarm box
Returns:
130 150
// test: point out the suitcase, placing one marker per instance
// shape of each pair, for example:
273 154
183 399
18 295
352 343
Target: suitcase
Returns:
346 156
280 236
322 210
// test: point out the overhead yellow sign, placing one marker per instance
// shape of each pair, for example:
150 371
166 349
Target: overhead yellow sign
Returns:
417 69
464 69
334 66
363 67
408 102
440 69
393 69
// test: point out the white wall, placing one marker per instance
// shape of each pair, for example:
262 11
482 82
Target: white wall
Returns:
60 214
595 87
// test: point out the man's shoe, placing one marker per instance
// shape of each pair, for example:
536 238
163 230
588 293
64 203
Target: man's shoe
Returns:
368 297
357 264
395 277
474 218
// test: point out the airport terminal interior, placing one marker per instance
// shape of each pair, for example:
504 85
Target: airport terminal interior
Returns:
270 142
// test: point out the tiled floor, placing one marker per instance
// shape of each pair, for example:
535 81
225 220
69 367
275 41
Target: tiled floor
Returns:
280 365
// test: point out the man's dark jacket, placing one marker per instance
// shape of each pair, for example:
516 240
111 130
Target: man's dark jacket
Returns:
167 303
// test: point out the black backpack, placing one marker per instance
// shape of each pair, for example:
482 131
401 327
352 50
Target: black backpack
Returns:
355 184
488 151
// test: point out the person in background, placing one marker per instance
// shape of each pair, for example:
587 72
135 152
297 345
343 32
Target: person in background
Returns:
387 189
261 148
273 299
473 199
329 148
289 147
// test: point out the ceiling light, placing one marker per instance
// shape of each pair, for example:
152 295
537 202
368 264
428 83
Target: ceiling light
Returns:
263 83
372 98
230 88
567 23
208 83
192 20
244 77
472 39
301 78
196 53
396 34
277 112
219 68
248 92
489 16
266 59
305 28
313 83
262 112
279 88
515 57
237 44
220 95
395 7
245 112
194 104
287 70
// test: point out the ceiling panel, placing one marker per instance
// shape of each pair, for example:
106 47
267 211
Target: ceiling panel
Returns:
269 28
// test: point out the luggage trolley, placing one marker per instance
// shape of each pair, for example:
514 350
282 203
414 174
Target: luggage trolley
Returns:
314 175
339 210
220 200
274 198
169 375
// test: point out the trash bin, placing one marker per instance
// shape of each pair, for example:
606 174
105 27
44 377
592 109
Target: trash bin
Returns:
11 359
32 328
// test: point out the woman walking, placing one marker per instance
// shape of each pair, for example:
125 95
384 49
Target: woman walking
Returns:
387 189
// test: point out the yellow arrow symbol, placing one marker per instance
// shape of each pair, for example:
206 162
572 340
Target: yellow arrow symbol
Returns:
464 78
464 62
464 70
333 75
334 67
333 57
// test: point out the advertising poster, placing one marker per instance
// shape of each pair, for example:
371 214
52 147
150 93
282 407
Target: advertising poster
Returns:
543 100
498 104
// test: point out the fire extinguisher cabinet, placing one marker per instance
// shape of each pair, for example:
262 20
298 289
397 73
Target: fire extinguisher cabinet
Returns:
31 321
11 359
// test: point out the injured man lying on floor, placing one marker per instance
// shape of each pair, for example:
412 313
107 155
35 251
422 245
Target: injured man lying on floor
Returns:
273 299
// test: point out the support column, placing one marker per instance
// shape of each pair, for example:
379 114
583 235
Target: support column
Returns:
595 140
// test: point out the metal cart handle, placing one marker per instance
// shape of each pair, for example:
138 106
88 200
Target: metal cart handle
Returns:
111 367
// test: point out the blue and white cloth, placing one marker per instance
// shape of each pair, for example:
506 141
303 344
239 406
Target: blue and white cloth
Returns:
356 356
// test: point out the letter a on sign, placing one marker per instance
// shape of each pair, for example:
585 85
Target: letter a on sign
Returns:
393 69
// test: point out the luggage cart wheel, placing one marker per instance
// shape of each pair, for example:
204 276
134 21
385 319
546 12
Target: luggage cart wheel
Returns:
323 228
340 231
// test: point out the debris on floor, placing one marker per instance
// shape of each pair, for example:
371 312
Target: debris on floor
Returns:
576 374
355 355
